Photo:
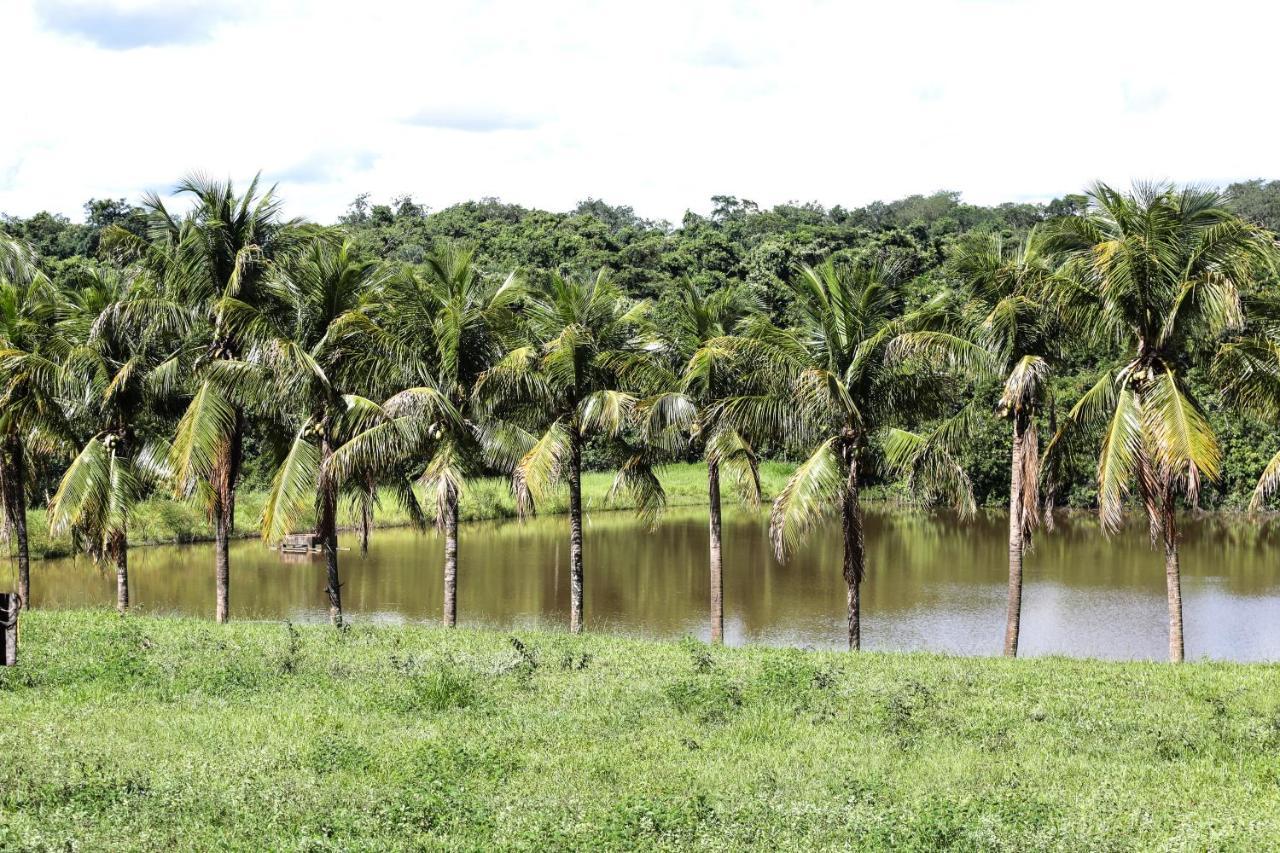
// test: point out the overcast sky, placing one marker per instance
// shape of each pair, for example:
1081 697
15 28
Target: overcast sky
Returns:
659 105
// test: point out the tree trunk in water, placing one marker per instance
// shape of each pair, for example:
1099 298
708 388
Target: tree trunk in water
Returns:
222 561
854 555
120 547
1173 584
328 530
451 559
575 533
717 565
1013 612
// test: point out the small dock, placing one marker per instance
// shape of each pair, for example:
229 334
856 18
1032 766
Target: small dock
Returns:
300 543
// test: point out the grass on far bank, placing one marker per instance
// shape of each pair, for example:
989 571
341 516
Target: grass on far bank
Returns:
143 733
162 520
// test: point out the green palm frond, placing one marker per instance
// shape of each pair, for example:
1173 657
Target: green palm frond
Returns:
735 456
1121 458
942 350
513 378
201 438
811 494
443 478
767 415
83 498
539 469
1183 440
820 394
1248 372
928 467
637 477
379 448
125 492
1094 406
152 462
1268 484
358 413
293 488
606 411
502 443
667 420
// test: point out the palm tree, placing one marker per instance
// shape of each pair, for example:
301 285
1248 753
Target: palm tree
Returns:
451 324
313 343
115 375
1160 271
213 260
853 364
30 418
585 337
1006 283
699 324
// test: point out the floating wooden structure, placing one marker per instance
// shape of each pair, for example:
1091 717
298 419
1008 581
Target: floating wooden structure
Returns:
300 543
10 607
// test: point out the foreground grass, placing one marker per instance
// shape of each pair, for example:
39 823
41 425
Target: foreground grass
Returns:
146 733
159 520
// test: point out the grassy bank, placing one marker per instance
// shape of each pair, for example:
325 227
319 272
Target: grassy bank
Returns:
151 734
160 520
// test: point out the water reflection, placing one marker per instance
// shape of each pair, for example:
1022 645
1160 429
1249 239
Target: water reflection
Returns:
934 583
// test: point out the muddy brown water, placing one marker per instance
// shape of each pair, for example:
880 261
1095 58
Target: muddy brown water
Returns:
935 583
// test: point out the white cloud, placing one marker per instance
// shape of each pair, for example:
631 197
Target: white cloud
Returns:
657 105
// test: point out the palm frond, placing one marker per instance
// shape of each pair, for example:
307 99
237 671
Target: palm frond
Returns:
539 469
811 494
1121 458
443 478
1183 440
928 467
636 476
606 412
735 456
201 438
1268 484
1025 385
293 488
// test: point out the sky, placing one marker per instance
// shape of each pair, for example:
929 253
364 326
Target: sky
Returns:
658 105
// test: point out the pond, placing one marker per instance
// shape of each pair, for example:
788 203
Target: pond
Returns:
935 583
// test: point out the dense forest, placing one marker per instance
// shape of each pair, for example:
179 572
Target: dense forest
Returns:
738 242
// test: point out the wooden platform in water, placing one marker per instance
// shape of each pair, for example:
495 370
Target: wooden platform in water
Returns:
300 543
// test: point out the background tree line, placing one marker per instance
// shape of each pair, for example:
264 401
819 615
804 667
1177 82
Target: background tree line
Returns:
739 245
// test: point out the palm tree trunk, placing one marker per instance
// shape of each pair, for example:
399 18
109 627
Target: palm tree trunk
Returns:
224 517
575 532
222 561
20 526
1173 584
120 547
451 559
327 528
24 554
1013 612
854 553
717 567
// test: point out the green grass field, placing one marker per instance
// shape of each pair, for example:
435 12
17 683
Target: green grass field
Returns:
161 520
172 734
